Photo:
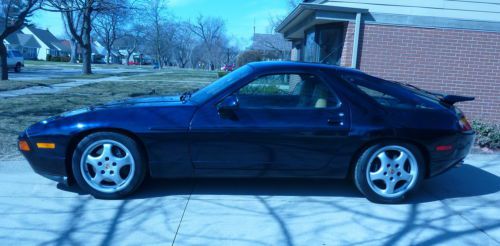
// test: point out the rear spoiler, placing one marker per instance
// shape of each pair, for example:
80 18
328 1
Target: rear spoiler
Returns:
452 99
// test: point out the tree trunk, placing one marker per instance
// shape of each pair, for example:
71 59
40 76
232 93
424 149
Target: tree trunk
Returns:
3 61
87 59
74 51
128 58
87 42
108 50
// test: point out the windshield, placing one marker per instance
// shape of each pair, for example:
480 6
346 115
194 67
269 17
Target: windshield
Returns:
221 84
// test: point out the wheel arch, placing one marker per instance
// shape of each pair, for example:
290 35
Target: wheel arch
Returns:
73 142
425 153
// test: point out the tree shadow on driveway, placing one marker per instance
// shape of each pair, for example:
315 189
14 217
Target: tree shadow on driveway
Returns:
466 181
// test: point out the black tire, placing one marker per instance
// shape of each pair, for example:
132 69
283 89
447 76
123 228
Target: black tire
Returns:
17 68
139 163
362 182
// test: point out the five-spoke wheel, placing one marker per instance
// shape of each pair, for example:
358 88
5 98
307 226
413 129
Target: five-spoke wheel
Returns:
387 172
108 165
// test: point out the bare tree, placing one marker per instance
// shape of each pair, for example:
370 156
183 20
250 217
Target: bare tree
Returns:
210 30
131 39
78 15
275 20
13 17
156 17
184 44
107 26
72 40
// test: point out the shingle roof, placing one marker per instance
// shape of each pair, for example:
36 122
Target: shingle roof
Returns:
270 42
46 36
21 39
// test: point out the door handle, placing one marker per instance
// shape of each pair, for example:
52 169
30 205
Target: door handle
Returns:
335 122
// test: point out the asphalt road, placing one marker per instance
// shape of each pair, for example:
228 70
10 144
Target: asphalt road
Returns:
461 207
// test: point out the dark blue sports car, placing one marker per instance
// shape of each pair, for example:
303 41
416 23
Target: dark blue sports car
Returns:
269 119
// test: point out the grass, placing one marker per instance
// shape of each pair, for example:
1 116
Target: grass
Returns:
17 113
21 84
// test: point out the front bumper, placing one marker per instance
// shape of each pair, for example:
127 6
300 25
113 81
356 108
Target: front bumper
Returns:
441 161
45 162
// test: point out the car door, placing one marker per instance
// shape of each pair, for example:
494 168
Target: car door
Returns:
278 121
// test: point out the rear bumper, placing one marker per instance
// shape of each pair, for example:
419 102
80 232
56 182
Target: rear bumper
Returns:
442 161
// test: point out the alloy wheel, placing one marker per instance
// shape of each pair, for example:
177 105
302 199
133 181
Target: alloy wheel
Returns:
107 166
392 171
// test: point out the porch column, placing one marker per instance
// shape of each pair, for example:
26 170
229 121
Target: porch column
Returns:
355 46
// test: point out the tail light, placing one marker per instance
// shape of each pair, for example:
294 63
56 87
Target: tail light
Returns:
464 124
462 121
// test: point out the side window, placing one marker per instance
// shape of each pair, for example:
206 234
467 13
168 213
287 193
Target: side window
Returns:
287 91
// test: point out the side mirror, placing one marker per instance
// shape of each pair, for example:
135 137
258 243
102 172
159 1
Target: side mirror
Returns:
227 106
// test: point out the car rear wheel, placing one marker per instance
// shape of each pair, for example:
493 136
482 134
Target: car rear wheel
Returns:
108 165
386 173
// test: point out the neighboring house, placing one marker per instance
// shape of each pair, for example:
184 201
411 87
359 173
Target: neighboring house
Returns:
449 46
50 45
24 43
272 46
135 58
100 49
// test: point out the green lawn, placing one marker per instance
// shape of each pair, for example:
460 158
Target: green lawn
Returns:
17 113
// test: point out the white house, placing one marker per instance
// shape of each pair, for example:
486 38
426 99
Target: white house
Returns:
49 44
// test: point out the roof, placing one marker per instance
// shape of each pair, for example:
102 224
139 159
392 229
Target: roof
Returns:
21 39
455 14
46 37
270 42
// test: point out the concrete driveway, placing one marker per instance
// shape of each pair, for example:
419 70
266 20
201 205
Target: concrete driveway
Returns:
461 207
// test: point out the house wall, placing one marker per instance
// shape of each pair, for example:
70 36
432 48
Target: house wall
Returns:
443 60
43 50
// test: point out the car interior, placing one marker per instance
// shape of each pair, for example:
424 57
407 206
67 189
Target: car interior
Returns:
287 91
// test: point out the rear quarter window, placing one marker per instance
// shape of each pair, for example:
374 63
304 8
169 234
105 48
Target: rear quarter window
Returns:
382 91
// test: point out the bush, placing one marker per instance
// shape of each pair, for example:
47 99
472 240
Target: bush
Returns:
60 58
221 74
48 57
487 134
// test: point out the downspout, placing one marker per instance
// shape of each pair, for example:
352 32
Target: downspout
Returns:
355 46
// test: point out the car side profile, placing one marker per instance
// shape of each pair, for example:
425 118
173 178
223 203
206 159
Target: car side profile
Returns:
266 119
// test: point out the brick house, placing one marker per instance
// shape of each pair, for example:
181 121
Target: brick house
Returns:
449 46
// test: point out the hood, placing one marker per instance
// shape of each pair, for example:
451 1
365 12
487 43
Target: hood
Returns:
140 101
133 102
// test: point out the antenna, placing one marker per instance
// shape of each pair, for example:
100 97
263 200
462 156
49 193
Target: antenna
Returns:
254 26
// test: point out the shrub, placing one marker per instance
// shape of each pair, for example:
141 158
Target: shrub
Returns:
48 57
487 134
221 74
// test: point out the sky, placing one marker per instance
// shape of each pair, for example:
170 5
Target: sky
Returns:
240 16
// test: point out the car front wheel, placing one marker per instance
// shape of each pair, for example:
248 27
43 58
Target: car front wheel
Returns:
386 173
108 165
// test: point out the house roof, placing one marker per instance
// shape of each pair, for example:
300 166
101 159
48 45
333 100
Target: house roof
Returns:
270 42
21 39
454 14
47 37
